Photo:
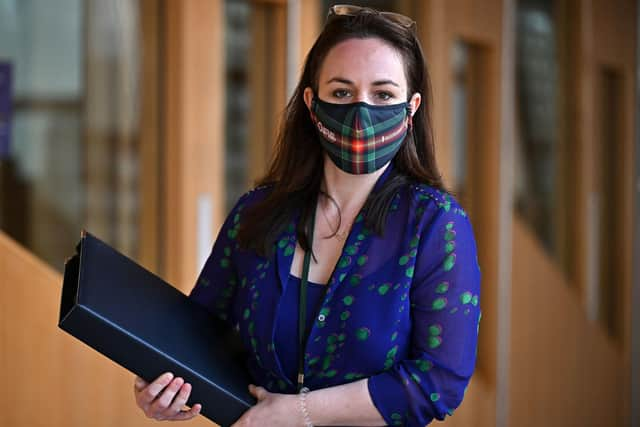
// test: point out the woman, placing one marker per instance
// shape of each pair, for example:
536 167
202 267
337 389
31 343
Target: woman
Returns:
349 249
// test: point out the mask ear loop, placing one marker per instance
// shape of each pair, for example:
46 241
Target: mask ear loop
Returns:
410 127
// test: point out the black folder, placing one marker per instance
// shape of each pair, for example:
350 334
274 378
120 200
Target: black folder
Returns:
146 325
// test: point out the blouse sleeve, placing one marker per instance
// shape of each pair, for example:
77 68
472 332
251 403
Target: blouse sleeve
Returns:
216 284
445 316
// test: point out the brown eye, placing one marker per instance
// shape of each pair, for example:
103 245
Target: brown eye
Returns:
385 96
341 93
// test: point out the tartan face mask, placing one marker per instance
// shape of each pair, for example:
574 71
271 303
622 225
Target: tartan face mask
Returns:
360 138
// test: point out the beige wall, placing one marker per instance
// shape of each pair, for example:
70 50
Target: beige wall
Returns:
564 369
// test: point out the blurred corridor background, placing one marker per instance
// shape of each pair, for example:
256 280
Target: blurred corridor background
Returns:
143 120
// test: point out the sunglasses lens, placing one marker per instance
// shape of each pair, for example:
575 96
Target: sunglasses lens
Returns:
345 9
400 19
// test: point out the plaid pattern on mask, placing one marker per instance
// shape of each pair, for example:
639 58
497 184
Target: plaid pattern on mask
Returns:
360 138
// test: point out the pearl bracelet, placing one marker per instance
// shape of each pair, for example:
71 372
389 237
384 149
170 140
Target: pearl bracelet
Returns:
303 407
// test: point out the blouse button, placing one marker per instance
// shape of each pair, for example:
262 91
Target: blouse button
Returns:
321 318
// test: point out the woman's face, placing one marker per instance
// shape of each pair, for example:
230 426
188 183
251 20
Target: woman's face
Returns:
363 70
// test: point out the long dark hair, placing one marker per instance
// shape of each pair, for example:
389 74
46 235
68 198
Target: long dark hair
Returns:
296 170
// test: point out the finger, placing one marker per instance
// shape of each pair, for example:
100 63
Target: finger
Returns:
149 393
179 401
160 405
139 384
187 415
258 392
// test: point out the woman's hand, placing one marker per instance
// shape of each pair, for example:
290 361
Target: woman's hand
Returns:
164 398
272 409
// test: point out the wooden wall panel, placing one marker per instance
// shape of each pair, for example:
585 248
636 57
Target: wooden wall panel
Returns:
614 27
268 73
150 220
608 43
479 25
562 360
477 408
440 25
565 371
311 22
267 81
194 113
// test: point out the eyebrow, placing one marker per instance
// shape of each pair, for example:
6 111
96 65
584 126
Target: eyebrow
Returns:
376 83
385 82
340 80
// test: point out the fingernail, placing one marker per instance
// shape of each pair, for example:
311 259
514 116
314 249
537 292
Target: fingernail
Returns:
139 382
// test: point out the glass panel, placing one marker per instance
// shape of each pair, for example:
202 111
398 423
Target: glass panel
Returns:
459 115
72 154
112 121
41 186
238 99
540 172
469 118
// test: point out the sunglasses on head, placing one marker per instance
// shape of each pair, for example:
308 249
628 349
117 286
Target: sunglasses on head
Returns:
351 10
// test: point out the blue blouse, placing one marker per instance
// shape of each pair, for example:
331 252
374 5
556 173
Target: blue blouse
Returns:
286 333
400 309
